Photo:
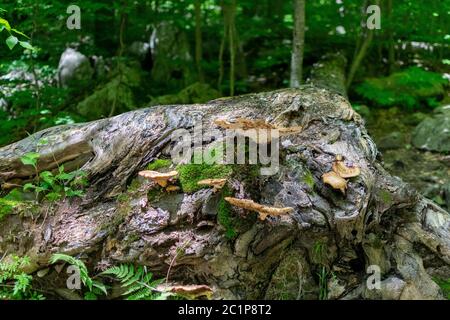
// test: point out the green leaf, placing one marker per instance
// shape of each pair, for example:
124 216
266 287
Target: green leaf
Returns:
90 296
100 286
30 158
53 196
28 186
48 177
26 45
5 24
11 42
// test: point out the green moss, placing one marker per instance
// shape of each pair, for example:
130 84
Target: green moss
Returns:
190 174
308 179
444 285
386 197
6 207
195 93
224 216
159 164
123 197
154 194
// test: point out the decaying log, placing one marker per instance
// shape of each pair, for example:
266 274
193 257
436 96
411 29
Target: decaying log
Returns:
379 221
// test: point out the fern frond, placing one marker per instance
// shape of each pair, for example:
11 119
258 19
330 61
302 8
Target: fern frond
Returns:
84 273
136 280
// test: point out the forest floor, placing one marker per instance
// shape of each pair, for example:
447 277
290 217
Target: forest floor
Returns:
428 172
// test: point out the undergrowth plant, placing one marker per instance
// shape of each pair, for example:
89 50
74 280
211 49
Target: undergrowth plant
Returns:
16 284
137 282
444 284
94 288
54 186
319 251
410 88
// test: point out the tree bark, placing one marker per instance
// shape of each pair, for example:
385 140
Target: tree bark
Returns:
198 39
361 53
391 42
298 43
379 220
329 73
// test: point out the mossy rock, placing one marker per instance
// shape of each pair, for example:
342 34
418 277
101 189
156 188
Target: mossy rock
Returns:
292 279
118 91
195 93
433 133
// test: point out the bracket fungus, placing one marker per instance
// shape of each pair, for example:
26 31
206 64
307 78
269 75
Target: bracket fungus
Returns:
160 178
343 170
340 171
258 125
192 291
217 184
335 180
263 211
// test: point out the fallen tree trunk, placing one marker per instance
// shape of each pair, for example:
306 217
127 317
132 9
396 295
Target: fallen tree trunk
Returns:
325 245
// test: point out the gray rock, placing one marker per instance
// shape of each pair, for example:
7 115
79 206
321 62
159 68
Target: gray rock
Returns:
390 289
139 49
433 133
393 140
74 69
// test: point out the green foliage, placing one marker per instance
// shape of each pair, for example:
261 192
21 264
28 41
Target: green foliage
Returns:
159 164
190 174
136 281
30 159
14 283
408 88
94 287
445 286
6 207
319 256
323 283
12 40
55 186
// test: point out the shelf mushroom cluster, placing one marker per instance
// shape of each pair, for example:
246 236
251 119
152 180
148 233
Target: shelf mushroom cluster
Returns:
340 172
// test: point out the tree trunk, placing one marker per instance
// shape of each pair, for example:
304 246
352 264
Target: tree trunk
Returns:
230 35
391 42
298 43
379 220
361 53
198 39
329 73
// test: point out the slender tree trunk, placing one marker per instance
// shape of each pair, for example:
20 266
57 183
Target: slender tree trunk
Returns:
298 43
391 42
361 53
123 21
222 49
230 37
232 45
198 39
